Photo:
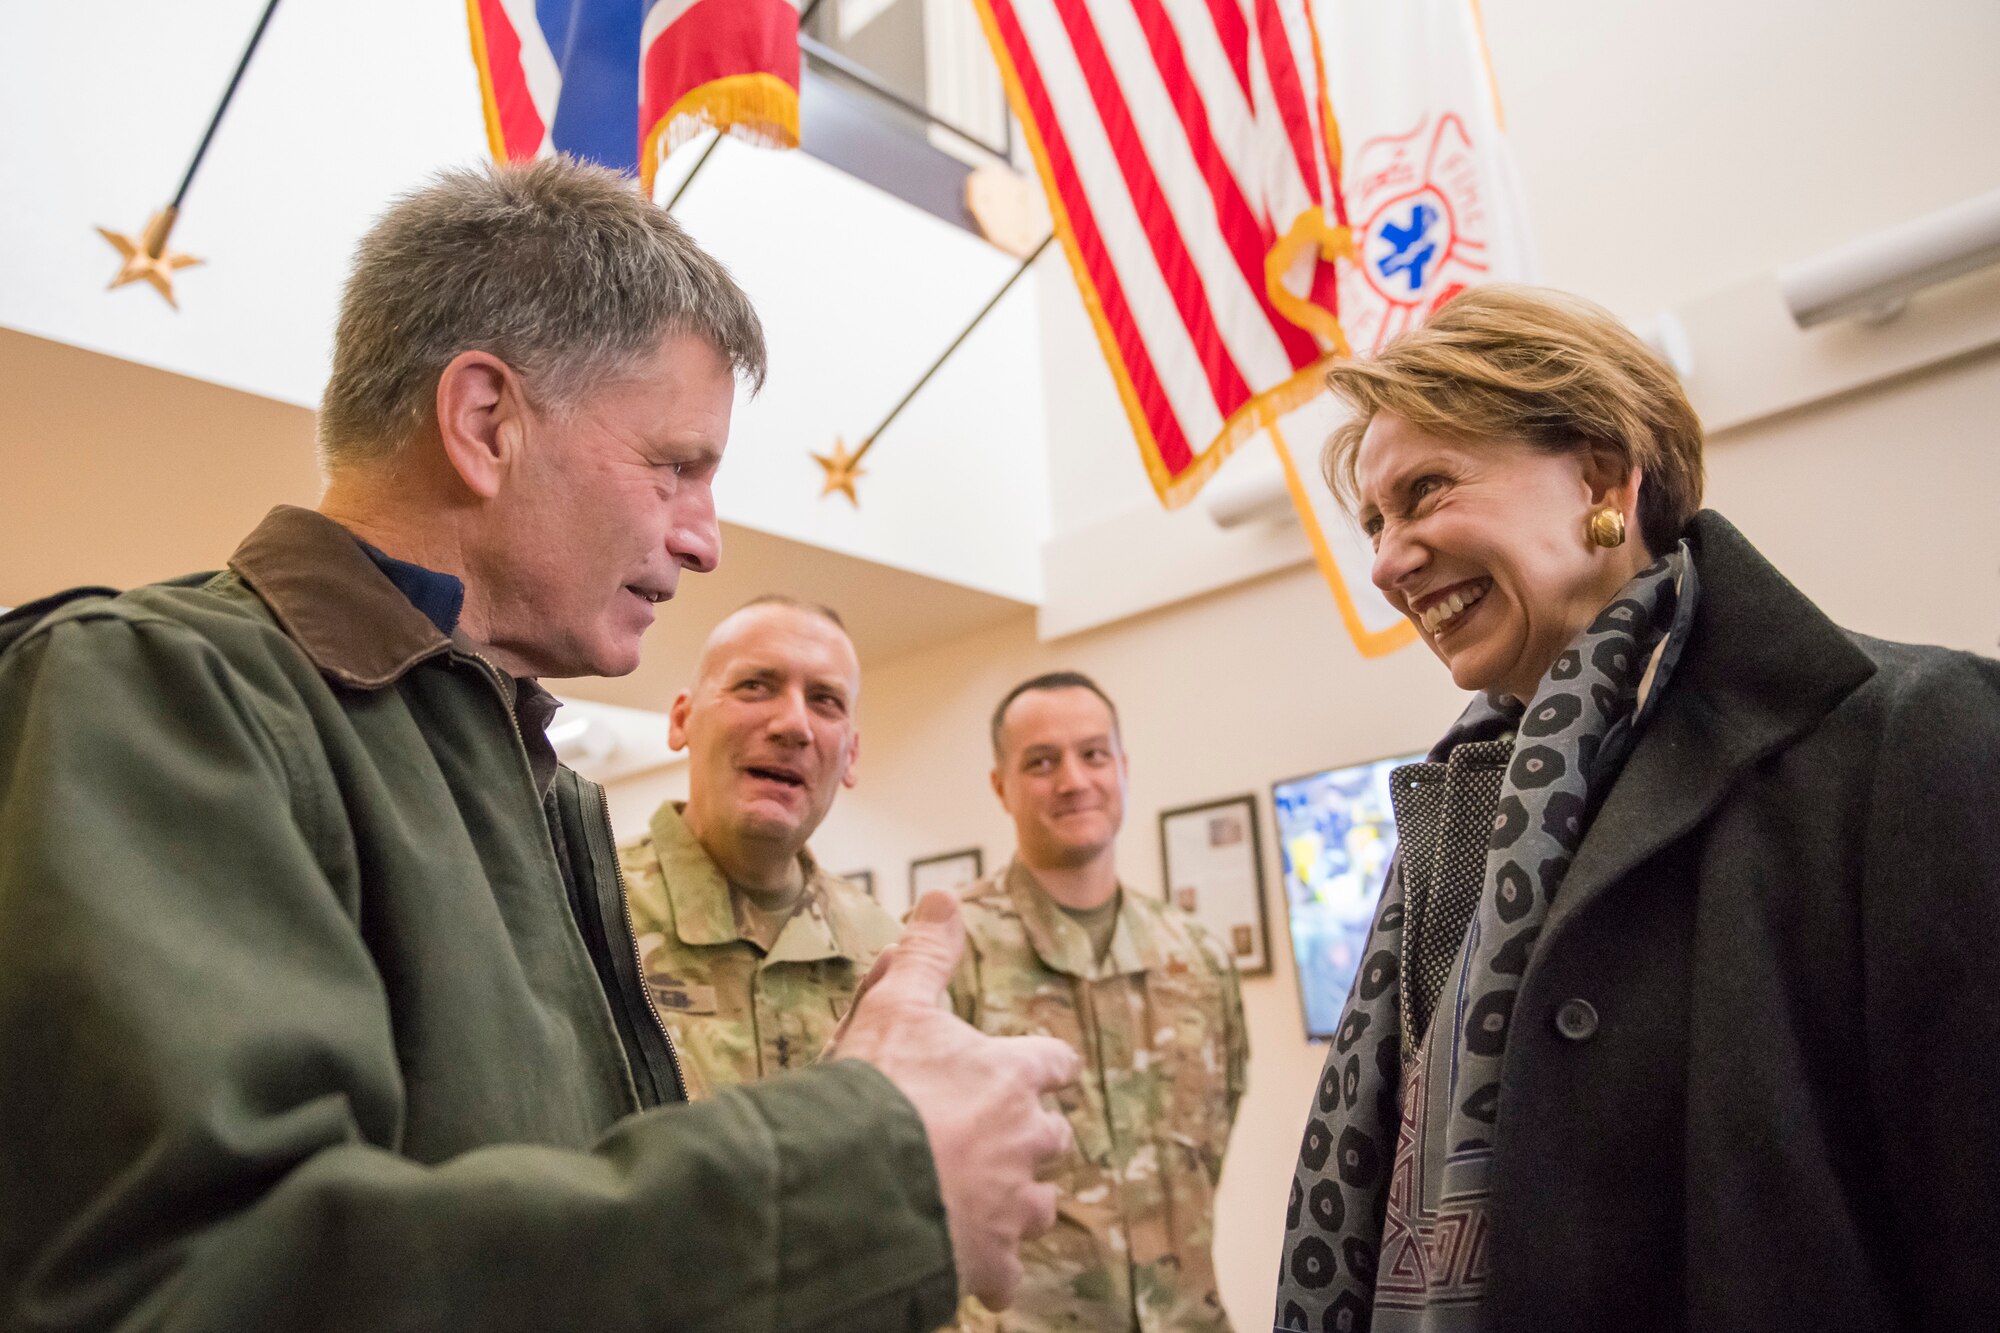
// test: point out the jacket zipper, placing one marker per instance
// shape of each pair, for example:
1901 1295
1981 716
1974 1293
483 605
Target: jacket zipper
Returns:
495 677
638 960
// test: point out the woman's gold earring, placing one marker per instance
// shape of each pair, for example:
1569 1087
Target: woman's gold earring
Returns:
1607 527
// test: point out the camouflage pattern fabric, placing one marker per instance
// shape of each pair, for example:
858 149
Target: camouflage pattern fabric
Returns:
1159 1024
737 1014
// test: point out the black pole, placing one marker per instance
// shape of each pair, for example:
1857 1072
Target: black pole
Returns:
944 356
699 163
228 95
805 17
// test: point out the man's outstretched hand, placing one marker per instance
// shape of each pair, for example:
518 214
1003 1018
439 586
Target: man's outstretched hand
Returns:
980 1098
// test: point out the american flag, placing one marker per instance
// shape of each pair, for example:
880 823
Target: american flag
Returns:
1193 170
625 82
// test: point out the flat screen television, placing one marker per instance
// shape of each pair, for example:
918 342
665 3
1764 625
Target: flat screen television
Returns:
1336 830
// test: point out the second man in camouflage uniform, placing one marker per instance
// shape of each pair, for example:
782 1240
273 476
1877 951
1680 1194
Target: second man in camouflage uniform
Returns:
750 952
1057 946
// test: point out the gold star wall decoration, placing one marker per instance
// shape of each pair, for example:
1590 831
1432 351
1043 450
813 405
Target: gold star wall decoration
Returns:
148 260
842 470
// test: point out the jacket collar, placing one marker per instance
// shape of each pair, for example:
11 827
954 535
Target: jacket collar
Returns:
1762 666
357 627
705 910
333 601
1064 946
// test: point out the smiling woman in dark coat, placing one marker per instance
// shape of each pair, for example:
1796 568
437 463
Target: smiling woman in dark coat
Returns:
1682 1005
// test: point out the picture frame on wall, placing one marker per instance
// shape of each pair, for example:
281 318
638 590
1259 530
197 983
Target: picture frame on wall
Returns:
863 880
947 870
1212 862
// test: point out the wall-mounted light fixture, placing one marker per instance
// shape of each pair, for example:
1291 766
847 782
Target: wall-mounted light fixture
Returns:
1872 278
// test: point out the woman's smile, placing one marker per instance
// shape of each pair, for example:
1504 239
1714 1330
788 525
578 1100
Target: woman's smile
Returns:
1442 614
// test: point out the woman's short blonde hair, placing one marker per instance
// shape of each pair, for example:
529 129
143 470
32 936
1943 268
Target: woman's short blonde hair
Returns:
1549 369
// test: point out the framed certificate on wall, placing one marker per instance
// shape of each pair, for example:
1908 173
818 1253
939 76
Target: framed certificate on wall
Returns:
951 870
1213 863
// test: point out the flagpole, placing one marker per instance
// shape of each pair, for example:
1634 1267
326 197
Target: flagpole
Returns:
842 468
228 95
868 442
146 256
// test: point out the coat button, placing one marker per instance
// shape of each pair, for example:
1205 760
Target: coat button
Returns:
1576 1020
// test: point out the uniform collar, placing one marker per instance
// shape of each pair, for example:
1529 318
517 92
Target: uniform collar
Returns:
704 908
1064 946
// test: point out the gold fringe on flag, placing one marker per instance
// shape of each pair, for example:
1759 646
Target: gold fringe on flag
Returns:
759 108
1371 643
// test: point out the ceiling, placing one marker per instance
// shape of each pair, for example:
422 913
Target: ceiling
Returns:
119 474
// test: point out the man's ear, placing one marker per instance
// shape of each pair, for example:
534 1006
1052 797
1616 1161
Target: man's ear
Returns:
853 773
994 778
677 722
481 419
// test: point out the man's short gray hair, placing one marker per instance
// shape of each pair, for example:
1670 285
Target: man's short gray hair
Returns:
560 269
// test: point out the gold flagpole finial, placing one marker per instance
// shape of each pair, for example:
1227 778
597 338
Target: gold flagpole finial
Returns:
148 259
842 470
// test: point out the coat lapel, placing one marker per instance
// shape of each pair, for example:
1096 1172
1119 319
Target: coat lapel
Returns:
1763 665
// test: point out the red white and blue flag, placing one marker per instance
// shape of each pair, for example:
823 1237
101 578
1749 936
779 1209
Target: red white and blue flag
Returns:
625 82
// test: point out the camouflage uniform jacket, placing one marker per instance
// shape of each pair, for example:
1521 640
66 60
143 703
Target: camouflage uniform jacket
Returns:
737 1014
1159 1024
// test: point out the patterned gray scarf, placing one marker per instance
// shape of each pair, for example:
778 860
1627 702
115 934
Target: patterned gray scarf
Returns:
1508 795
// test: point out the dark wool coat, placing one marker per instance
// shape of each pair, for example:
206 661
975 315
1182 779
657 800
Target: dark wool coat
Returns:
1753 1080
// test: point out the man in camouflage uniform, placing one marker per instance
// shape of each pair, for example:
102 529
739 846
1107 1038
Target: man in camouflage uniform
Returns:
751 953
1055 945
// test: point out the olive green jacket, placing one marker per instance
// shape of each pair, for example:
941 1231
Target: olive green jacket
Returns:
736 1013
305 950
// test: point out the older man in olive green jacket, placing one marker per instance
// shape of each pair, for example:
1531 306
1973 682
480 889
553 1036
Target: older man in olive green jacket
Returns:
318 1005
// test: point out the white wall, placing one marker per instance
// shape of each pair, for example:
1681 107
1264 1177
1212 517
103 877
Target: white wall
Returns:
1879 506
1672 149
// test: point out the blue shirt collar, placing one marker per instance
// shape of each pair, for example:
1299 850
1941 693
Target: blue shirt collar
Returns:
439 596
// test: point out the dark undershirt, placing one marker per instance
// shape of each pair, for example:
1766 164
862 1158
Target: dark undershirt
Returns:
441 597
1100 923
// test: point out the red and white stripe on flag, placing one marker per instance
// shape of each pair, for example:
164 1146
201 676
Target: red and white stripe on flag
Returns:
519 80
1192 168
728 65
